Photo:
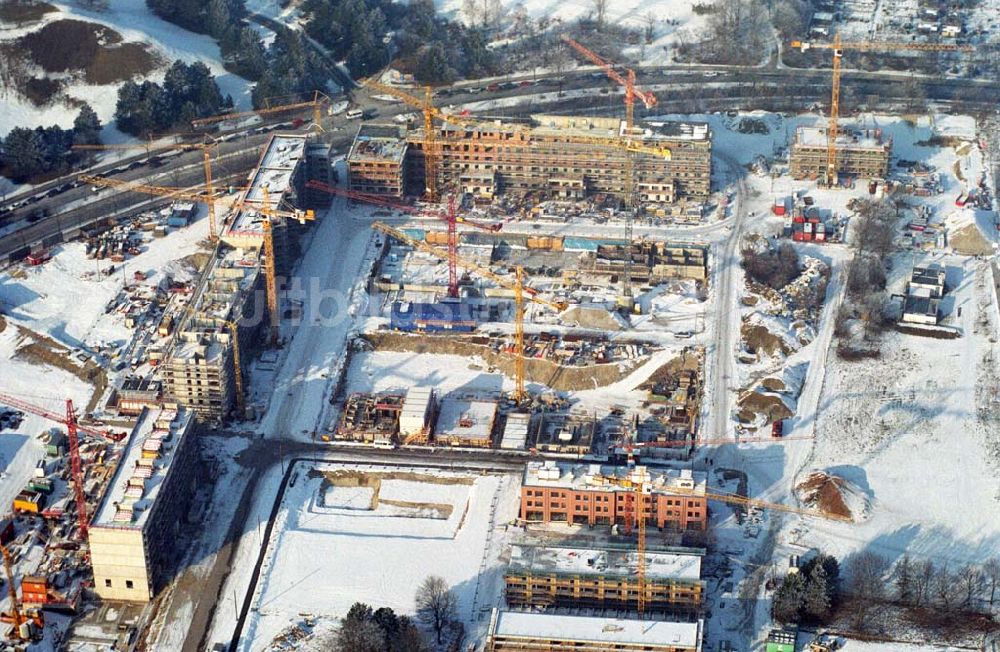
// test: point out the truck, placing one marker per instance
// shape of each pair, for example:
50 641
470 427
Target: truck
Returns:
30 502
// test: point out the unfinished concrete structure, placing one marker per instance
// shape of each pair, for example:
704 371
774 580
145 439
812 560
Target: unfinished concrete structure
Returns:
594 495
376 163
563 433
370 418
860 153
199 374
652 262
602 578
466 421
514 631
144 507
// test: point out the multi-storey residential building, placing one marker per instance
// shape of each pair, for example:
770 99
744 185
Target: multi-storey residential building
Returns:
860 153
595 495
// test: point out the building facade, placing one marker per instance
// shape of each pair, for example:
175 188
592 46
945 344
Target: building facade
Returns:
860 153
595 495
602 578
133 532
376 163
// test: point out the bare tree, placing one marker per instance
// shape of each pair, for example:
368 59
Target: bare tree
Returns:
436 605
923 575
865 585
970 581
649 31
945 589
991 569
601 9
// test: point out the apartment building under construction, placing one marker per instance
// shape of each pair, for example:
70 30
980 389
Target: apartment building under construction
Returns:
860 153
602 578
550 157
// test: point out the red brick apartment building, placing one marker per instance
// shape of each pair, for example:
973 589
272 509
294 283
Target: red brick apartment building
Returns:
589 495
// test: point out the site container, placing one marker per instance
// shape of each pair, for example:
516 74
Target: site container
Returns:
29 501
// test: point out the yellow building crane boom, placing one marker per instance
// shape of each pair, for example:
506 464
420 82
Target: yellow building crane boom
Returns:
206 155
318 100
521 293
838 47
15 607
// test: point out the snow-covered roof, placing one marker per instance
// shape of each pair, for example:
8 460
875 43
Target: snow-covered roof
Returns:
144 466
594 477
274 175
378 143
846 138
602 630
604 562
470 419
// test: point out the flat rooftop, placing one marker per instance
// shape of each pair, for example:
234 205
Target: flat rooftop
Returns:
144 466
274 173
846 138
596 127
378 143
594 477
470 419
604 562
597 629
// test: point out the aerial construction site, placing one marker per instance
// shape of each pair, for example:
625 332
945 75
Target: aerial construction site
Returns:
525 364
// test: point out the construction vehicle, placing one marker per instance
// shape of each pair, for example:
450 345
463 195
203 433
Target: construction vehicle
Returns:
26 625
630 190
431 145
318 100
73 429
450 216
839 47
268 213
206 152
521 293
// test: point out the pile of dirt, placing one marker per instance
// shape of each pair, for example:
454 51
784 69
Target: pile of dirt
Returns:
77 46
757 338
689 360
833 495
754 403
965 237
596 318
19 12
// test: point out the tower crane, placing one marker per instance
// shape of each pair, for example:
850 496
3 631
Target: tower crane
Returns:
268 212
73 430
319 98
630 190
637 482
432 145
206 154
838 47
522 293
450 216
17 617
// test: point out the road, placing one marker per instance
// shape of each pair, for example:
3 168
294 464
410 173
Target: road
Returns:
726 313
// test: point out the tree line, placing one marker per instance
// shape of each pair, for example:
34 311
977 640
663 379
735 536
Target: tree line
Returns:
188 91
47 151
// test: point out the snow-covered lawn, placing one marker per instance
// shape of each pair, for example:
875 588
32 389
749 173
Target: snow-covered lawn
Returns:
323 559
134 21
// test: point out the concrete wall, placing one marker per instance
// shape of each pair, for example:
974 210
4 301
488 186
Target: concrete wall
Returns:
119 557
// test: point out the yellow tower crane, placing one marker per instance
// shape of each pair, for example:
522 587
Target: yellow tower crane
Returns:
432 146
838 47
206 153
318 100
521 294
269 212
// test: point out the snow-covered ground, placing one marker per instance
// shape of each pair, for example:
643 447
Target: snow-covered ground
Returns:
134 21
331 551
65 298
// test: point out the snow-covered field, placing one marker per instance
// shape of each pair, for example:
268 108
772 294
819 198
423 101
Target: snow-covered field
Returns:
330 552
133 20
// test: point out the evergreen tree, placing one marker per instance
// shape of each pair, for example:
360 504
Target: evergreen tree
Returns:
816 596
904 580
86 127
24 153
787 602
